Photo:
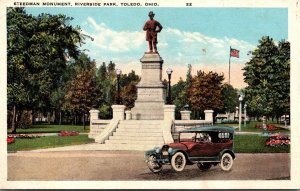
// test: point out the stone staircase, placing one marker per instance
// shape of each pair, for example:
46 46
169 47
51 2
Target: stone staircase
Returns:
136 135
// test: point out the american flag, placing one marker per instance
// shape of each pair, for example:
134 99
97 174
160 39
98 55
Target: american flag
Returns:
234 52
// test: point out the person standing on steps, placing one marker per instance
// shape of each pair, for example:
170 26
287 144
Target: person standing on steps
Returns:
152 27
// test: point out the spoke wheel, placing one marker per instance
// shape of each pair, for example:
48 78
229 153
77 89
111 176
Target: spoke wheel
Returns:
178 162
153 165
204 166
226 162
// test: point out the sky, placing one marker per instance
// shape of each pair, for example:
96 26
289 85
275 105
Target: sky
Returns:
197 36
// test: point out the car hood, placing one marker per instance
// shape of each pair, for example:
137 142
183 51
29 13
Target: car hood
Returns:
181 145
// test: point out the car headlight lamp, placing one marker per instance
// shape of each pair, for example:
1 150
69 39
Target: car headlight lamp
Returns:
170 150
157 150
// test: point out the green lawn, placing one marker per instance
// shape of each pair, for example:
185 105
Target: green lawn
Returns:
47 142
256 144
242 143
250 127
53 128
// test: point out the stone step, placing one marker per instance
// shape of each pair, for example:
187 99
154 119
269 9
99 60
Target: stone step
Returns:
128 147
96 130
141 122
138 134
141 125
95 127
130 127
124 137
126 130
134 142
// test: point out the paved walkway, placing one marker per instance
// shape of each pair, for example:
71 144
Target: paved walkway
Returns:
130 165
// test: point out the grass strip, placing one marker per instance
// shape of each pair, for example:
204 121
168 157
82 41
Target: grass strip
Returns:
256 144
47 142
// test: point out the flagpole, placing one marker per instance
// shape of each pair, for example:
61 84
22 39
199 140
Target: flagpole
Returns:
229 65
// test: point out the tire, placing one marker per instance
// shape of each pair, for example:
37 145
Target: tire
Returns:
178 161
226 162
204 166
153 165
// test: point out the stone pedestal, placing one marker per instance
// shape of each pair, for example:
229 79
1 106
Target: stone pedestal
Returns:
169 112
151 92
185 115
209 115
118 112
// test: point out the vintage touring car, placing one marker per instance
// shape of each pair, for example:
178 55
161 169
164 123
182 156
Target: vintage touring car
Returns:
204 146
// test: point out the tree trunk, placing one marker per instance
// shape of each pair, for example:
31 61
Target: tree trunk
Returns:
83 121
59 117
13 122
32 116
53 116
48 117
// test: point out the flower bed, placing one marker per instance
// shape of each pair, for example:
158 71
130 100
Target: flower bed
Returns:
10 140
277 140
269 127
68 133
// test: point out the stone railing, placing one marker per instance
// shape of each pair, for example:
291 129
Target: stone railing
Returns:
108 131
100 129
97 126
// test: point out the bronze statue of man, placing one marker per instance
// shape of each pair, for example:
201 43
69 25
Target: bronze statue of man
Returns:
152 27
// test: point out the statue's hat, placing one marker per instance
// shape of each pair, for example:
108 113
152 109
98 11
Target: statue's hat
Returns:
151 13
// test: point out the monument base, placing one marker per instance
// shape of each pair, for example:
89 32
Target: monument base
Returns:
148 110
150 91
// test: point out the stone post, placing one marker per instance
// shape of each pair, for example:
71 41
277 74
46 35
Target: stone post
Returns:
209 115
128 115
169 112
185 115
118 112
94 115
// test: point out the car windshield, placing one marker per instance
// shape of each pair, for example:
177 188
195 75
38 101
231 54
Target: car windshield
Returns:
184 137
195 137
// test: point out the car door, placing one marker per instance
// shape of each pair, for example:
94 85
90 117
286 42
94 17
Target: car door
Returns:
200 148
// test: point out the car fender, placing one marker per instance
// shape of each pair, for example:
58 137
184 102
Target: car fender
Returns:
174 151
150 152
226 151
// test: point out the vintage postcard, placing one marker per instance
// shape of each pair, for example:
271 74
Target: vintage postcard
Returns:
150 94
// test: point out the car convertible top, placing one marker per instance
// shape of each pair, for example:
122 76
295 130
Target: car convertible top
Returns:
209 128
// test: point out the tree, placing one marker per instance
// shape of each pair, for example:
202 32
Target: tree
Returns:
82 92
229 97
17 41
36 52
129 94
267 75
128 84
205 92
106 81
179 96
